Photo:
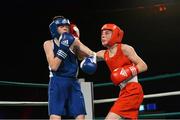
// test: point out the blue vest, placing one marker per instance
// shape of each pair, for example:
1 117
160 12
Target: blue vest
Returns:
68 67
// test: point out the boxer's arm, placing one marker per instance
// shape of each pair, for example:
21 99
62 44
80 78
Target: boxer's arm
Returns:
100 55
132 55
53 61
82 49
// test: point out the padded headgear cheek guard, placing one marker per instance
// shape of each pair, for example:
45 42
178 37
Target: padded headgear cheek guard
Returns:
117 33
55 24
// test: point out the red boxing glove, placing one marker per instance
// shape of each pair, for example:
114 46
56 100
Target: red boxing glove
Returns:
120 74
74 30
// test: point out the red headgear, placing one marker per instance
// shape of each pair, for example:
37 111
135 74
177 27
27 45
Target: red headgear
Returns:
117 33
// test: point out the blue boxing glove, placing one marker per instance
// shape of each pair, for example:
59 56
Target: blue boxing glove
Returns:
65 41
89 65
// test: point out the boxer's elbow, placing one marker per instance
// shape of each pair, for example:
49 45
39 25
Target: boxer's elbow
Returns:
54 66
144 67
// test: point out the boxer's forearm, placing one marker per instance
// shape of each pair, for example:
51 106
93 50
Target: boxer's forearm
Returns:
84 49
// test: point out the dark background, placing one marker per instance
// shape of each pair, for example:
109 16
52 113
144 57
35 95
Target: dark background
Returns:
154 33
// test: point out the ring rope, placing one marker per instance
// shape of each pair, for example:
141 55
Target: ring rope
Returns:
22 103
145 96
95 85
158 115
23 84
15 103
144 79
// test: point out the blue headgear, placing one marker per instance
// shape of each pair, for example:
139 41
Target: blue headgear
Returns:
54 25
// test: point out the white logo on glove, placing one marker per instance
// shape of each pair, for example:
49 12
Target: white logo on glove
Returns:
123 72
65 43
133 70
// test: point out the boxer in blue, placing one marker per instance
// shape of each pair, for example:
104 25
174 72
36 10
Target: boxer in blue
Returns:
65 97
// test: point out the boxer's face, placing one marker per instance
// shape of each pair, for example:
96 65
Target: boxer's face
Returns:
105 37
63 28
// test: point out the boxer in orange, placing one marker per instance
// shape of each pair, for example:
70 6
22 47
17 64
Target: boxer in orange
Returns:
124 64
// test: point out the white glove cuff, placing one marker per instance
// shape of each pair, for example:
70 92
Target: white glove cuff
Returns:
94 57
81 64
